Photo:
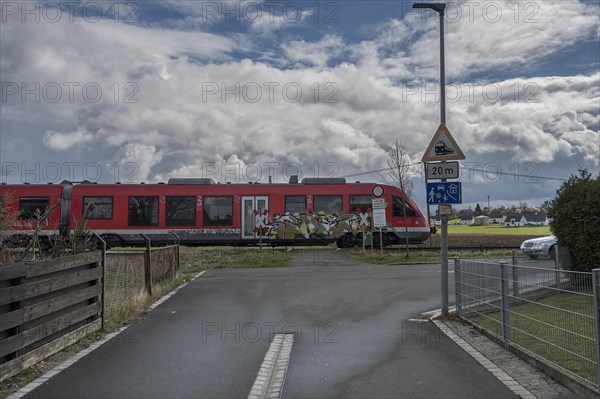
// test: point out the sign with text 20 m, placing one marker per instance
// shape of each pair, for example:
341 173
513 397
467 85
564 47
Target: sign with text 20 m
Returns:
442 170
444 193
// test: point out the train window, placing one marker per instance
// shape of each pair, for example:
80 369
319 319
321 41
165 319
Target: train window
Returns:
218 211
295 204
362 202
103 207
330 204
399 204
181 211
143 211
29 205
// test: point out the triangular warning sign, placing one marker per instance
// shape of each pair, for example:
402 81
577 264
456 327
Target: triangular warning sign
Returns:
442 147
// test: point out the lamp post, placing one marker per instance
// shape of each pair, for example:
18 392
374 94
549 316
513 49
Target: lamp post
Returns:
440 9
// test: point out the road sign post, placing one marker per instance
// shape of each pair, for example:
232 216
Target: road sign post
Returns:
260 220
379 220
443 148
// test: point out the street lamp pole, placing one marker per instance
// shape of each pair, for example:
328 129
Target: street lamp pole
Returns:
440 9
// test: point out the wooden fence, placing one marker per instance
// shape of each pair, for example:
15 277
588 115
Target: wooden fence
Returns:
46 306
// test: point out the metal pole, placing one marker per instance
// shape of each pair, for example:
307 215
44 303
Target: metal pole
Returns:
439 8
381 241
103 279
444 243
177 265
515 276
457 286
596 291
444 254
147 264
363 238
504 303
556 267
442 70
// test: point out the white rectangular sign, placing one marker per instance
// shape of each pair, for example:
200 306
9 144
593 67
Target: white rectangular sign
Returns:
442 170
444 209
379 218
378 203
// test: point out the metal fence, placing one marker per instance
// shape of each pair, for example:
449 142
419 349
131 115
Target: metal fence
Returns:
124 280
130 275
548 311
164 261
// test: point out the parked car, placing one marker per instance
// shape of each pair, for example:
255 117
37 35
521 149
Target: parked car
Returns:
545 246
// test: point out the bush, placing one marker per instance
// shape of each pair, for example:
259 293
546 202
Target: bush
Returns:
575 213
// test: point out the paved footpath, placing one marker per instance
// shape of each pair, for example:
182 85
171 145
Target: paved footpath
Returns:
353 327
537 383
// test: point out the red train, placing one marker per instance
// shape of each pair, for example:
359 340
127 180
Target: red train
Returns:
201 212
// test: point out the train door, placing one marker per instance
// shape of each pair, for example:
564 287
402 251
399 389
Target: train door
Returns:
254 211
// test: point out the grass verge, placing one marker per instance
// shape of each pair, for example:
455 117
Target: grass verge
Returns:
497 229
196 259
395 257
558 328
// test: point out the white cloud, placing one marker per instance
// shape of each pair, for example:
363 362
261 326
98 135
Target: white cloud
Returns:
483 36
144 157
347 113
164 42
64 141
314 53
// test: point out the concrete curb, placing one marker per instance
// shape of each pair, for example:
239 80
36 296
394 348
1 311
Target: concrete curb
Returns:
271 376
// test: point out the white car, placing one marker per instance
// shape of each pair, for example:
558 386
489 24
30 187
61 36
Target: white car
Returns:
535 247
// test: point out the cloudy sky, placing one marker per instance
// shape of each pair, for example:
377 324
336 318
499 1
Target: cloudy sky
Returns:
240 90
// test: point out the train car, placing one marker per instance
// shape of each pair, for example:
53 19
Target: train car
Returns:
202 212
22 204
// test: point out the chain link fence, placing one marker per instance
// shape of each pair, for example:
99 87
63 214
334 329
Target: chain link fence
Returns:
546 310
127 273
164 263
124 279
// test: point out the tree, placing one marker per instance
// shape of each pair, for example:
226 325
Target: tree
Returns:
399 164
7 215
478 210
545 205
575 213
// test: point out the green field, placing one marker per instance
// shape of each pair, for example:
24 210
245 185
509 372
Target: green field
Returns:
497 229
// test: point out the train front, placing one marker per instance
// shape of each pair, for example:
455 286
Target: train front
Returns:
407 220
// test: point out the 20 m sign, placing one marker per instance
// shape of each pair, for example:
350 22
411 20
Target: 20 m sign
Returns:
442 170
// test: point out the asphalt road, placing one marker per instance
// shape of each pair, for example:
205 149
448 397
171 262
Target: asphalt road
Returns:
353 338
